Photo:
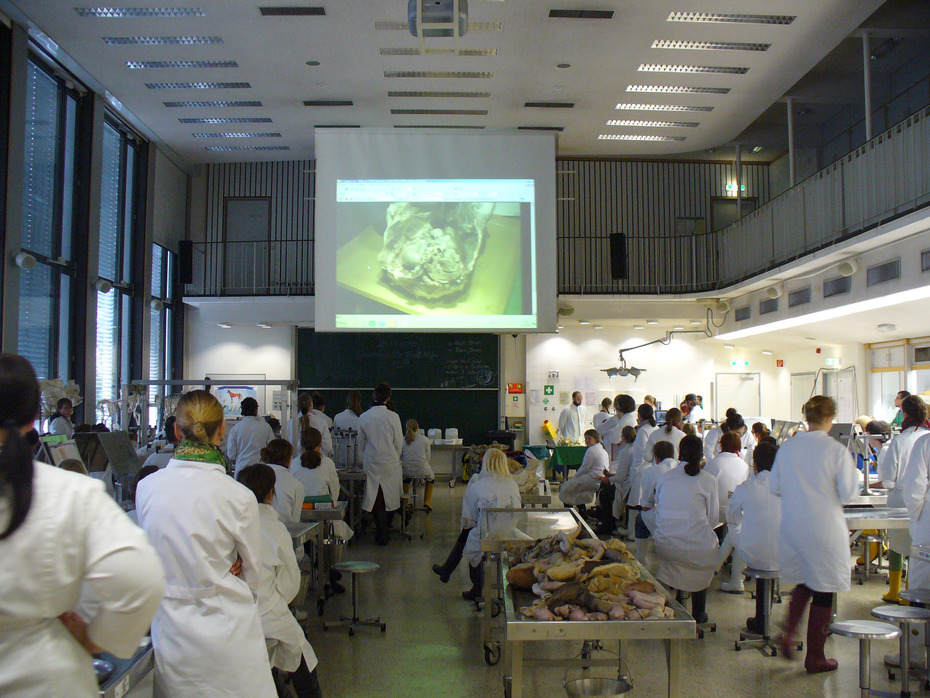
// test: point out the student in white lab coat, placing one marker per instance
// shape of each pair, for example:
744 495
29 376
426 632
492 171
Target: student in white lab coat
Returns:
814 475
59 532
205 526
60 423
645 429
603 414
248 436
573 419
620 475
319 408
579 490
308 418
695 410
624 415
348 419
415 463
288 491
682 525
315 472
664 457
730 471
160 458
495 489
670 431
754 517
712 436
381 441
290 652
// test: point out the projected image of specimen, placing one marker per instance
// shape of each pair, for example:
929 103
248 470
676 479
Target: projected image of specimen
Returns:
430 250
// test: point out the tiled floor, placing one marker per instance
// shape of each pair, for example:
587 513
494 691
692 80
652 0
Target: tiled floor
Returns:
433 647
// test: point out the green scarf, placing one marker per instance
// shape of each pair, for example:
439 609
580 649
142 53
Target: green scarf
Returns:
199 452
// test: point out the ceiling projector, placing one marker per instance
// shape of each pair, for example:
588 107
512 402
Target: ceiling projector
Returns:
437 12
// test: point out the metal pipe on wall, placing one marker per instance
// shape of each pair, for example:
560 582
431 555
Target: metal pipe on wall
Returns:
867 83
789 102
739 182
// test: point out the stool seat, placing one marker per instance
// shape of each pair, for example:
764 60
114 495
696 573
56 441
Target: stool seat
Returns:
902 614
865 629
921 596
870 538
356 566
761 574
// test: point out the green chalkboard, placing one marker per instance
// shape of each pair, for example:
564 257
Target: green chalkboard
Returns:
405 360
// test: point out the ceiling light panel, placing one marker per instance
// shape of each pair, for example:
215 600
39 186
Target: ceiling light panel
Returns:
197 85
652 124
214 104
710 45
718 69
581 14
119 12
540 128
162 40
138 65
549 105
679 89
231 148
419 94
723 18
227 120
449 74
236 135
472 26
336 126
446 112
626 106
633 137
476 128
438 51
293 11
328 103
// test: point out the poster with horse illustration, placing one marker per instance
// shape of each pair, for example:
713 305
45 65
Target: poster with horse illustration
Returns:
231 397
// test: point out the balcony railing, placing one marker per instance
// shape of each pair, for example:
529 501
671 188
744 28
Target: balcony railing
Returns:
252 268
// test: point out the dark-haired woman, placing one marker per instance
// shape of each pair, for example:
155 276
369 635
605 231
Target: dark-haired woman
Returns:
288 492
60 423
314 471
59 532
348 419
682 524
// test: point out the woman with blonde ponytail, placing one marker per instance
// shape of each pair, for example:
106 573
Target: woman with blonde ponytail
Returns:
207 633
414 461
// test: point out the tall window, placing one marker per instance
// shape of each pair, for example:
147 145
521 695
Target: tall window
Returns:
162 309
119 191
49 182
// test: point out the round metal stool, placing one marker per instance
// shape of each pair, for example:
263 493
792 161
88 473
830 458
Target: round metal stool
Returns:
866 540
865 631
904 616
765 583
355 568
921 598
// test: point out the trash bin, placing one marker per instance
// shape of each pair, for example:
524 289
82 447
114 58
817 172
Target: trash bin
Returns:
333 551
603 688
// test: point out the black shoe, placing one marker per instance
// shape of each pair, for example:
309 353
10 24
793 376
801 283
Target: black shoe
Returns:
471 594
753 625
440 571
700 620
336 588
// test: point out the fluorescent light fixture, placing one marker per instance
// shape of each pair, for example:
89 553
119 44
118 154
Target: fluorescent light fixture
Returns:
560 327
210 105
767 352
227 120
599 327
652 322
862 306
678 89
678 328
230 134
671 68
886 327
724 18
224 325
652 124
697 323
728 346
633 137
438 94
197 85
140 65
710 45
119 12
233 148
447 74
162 40
584 322
660 107
638 327
263 325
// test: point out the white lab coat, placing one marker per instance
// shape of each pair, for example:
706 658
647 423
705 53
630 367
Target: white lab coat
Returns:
891 468
695 415
682 525
572 422
489 492
712 443
674 437
583 485
638 463
381 441
160 459
318 423
278 589
730 471
814 476
288 494
599 418
61 426
324 417
74 535
614 435
415 457
207 632
620 478
347 419
317 481
914 486
246 440
754 519
650 479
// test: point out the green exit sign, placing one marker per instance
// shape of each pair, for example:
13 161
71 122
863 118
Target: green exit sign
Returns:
739 364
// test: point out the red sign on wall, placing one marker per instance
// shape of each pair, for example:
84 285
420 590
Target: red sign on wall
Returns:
780 363
515 388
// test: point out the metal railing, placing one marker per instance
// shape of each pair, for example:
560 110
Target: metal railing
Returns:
252 268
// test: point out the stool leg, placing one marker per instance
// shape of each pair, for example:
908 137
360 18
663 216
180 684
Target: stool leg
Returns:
864 678
765 588
905 654
354 598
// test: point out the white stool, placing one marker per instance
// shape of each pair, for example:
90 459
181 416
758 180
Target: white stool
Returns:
865 631
921 599
903 616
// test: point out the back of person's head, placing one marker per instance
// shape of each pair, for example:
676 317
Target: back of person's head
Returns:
198 416
84 428
382 393
170 436
691 397
878 428
647 413
914 408
663 450
672 419
63 403
19 407
606 403
592 433
730 411
730 442
412 428
628 433
769 440
626 404
259 478
903 394
650 400
495 463
319 401
278 452
354 402
73 465
304 403
763 456
760 429
819 409
100 428
249 407
311 439
734 422
274 423
143 473
862 421
691 453
688 428
31 437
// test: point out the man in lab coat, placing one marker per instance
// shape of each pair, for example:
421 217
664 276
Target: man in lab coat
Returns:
248 437
381 441
573 419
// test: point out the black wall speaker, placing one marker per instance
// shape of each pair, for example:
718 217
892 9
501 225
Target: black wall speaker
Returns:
618 265
186 262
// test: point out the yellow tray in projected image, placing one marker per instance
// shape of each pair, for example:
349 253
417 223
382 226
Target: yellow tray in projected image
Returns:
358 270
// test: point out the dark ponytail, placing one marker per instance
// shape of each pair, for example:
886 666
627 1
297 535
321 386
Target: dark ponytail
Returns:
691 452
646 412
19 406
311 439
672 419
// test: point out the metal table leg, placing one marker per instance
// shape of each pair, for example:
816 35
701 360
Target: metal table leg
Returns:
516 670
673 660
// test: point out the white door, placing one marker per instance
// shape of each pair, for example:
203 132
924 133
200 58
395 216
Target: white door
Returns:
802 388
841 386
740 391
246 236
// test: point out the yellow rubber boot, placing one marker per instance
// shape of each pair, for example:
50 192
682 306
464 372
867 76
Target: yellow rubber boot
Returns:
428 496
894 581
874 548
